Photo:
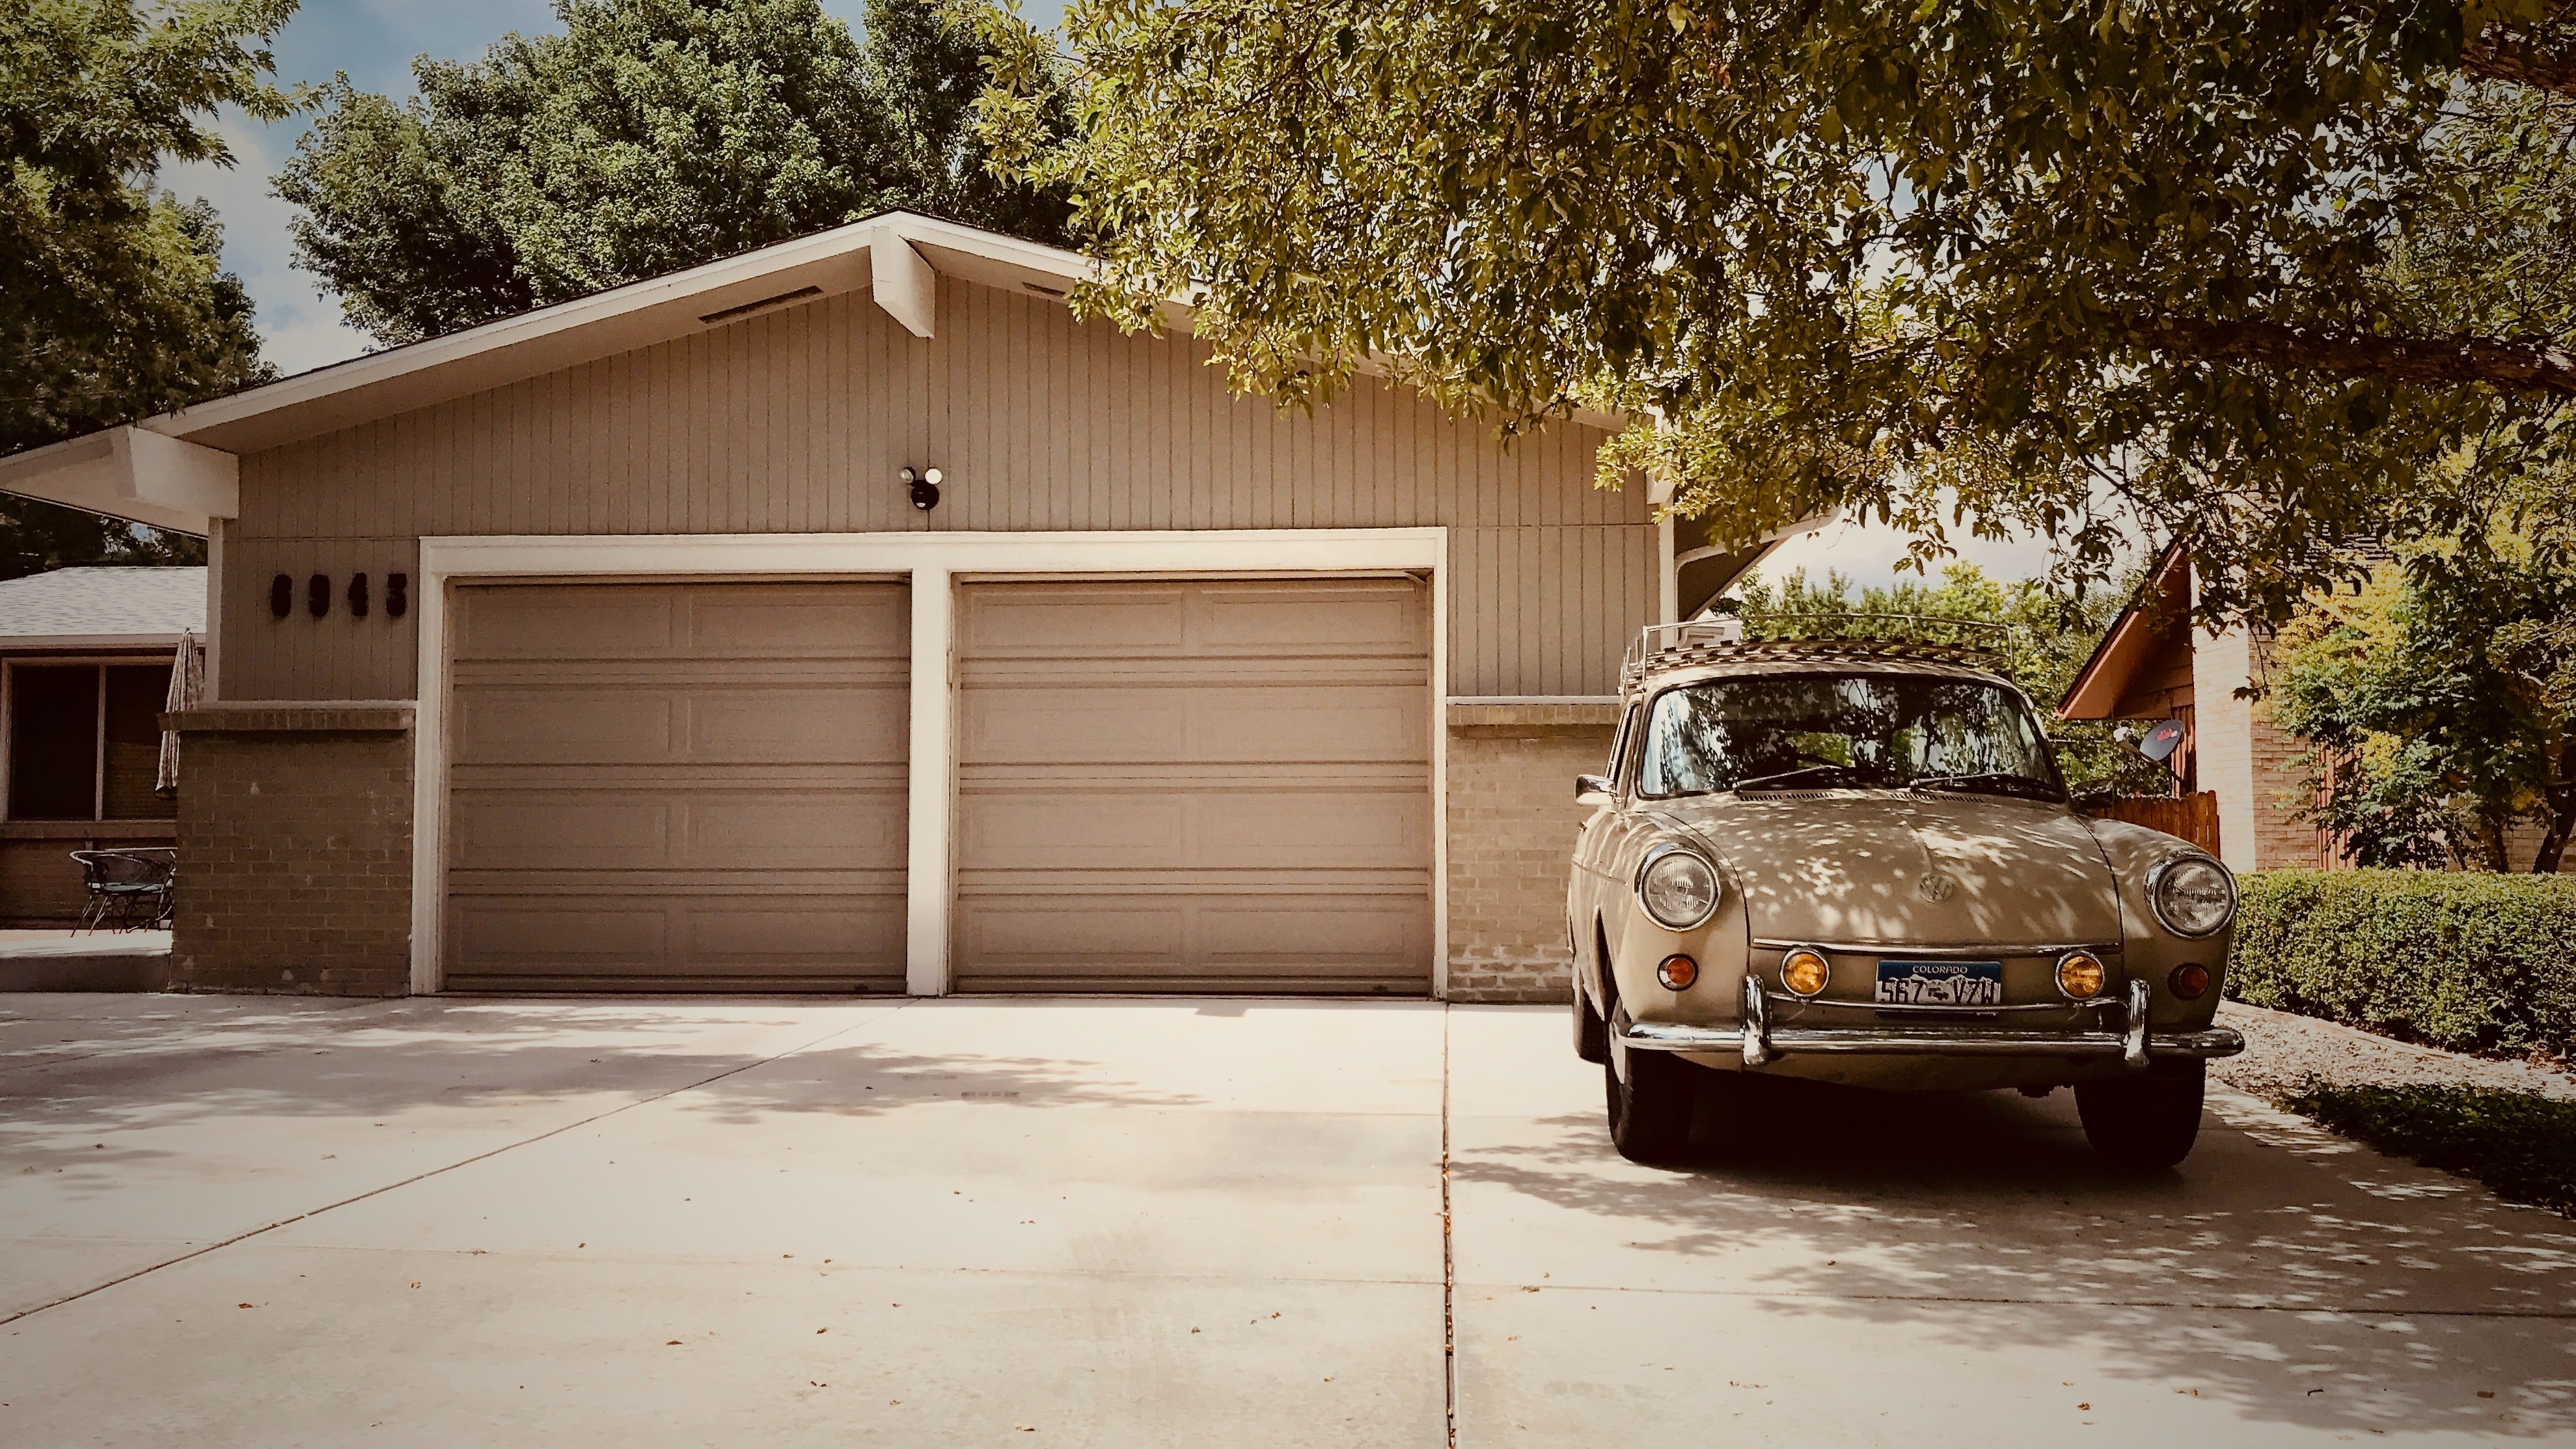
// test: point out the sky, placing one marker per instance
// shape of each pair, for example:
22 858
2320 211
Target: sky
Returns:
375 40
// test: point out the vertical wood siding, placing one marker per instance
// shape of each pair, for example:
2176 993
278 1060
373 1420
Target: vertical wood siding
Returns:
796 421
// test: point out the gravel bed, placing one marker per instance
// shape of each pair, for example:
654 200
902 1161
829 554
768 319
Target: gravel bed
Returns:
2283 1052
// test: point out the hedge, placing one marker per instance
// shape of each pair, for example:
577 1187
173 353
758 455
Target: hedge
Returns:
2468 961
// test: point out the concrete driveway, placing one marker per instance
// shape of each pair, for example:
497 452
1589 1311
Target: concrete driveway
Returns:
229 1221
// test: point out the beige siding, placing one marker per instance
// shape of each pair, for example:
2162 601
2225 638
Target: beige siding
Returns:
797 420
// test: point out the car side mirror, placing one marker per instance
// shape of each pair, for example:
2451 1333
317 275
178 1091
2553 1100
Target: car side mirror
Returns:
1591 789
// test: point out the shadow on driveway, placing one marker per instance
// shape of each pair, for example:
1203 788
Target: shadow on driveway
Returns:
132 1088
1981 1222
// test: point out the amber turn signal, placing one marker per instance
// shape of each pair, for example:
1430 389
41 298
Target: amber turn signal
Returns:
2188 981
2080 975
1805 971
1677 972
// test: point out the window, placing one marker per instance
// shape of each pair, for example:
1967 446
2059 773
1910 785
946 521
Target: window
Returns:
1619 744
85 741
1853 731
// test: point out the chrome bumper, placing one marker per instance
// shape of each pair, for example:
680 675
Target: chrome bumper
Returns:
1758 1041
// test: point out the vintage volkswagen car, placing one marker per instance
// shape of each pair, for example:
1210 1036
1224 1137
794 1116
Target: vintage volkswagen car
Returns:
1855 862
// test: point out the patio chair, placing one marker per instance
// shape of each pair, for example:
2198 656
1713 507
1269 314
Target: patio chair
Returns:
129 890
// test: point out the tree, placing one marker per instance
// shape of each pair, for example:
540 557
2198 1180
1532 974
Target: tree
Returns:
649 136
113 300
2044 641
2434 700
931 71
2071 270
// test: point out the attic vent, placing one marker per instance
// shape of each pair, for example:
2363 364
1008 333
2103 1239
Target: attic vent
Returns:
783 298
1044 291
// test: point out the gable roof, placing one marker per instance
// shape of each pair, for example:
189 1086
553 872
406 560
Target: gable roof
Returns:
102 607
889 253
180 469
2158 618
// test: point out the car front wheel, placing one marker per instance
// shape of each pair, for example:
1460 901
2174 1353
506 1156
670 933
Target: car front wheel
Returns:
1591 1033
2143 1123
1650 1106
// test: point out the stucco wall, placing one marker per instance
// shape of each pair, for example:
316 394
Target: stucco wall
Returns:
2247 762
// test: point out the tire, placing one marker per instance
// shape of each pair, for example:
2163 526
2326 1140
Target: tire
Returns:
2143 1123
1591 1033
1650 1108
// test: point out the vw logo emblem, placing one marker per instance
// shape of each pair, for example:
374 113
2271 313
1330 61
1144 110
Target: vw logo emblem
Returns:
1936 887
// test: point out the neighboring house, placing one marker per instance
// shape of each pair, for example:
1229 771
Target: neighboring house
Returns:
2153 665
85 656
633 645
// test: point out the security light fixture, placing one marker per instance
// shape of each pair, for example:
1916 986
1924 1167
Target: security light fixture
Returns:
924 486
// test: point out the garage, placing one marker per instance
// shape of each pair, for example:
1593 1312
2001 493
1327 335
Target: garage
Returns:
854 615
677 786
1214 785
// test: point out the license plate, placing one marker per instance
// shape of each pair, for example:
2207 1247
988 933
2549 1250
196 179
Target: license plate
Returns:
1941 983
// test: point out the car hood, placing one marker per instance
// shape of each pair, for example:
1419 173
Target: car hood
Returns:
1884 868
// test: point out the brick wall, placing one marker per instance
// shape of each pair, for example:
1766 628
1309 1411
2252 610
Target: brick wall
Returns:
2282 840
295 850
1512 819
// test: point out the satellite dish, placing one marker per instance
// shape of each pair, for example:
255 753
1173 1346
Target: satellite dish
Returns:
2159 743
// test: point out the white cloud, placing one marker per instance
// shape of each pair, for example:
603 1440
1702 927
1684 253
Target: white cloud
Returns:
300 325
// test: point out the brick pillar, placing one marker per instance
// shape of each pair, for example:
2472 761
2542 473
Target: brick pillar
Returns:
294 849
1512 819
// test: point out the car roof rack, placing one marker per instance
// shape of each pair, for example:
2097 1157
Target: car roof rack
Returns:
1659 647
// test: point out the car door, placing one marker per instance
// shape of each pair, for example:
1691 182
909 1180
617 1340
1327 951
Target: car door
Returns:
1596 840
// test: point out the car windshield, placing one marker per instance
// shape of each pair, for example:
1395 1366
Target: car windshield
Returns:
1842 731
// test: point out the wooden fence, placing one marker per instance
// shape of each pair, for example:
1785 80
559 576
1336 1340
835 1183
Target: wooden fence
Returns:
2193 817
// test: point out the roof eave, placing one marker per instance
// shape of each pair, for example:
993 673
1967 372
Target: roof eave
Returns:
2097 688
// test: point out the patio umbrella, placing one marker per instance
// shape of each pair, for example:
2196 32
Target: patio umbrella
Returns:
187 686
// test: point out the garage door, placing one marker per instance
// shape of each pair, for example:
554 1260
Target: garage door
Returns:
677 787
1194 786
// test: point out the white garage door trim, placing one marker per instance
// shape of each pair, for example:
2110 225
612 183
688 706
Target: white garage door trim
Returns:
931 562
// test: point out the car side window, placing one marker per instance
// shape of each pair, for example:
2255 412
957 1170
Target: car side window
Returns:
1619 746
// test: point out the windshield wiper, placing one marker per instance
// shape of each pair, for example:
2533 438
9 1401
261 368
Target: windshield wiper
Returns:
1783 776
2004 780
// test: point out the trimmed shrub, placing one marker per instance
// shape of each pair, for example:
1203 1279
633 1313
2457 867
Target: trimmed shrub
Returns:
2521 1144
2467 961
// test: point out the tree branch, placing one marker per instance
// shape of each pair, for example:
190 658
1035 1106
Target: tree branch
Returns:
2512 366
2510 53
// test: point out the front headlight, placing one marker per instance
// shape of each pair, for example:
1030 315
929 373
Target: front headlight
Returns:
2193 895
1678 887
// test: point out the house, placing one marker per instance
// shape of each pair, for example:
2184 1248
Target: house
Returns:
2244 775
850 616
85 657
2248 780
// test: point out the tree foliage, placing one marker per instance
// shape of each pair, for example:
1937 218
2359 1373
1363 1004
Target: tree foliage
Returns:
1965 265
2439 696
113 300
2044 641
649 136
